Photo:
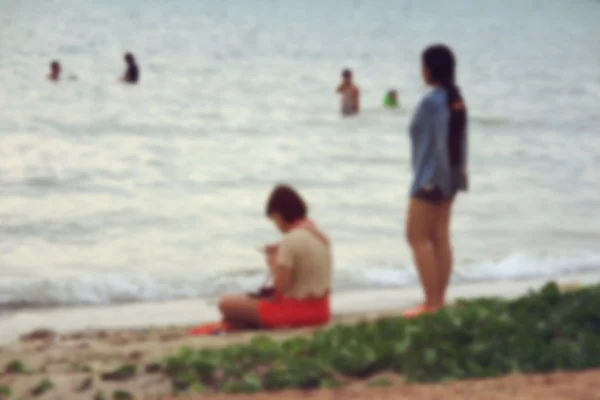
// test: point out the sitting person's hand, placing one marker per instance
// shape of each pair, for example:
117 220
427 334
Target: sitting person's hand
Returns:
264 292
271 248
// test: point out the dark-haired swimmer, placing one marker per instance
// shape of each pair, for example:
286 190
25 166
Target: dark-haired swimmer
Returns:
132 73
55 69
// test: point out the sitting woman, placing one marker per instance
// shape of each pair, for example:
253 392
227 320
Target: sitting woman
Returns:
301 267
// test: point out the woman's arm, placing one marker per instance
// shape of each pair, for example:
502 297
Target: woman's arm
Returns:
282 279
465 146
280 262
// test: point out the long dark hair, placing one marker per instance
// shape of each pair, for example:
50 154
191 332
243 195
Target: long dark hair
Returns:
441 64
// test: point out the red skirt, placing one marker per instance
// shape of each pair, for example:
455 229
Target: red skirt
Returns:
285 312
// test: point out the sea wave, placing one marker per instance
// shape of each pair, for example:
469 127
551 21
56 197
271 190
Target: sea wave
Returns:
115 288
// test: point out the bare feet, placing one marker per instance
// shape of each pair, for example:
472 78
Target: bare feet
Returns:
419 310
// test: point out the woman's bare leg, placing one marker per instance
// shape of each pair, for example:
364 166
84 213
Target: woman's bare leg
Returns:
442 247
240 311
420 227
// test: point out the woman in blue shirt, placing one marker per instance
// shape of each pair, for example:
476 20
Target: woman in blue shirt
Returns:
439 159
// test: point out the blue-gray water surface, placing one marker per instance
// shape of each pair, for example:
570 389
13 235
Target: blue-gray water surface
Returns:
115 193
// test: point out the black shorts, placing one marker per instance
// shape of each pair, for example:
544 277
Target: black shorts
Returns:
433 195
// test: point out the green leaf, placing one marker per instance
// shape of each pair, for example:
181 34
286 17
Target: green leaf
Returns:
5 390
380 382
42 387
430 356
249 384
197 387
330 383
16 367
205 368
122 395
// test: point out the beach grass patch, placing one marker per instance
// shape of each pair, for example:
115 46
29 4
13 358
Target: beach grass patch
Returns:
250 383
331 383
5 390
16 367
542 331
197 388
42 387
122 395
380 382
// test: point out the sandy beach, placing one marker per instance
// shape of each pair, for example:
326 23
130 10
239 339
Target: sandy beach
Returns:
77 349
128 209
557 386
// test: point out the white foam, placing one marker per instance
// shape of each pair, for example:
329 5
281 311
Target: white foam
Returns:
121 288
516 266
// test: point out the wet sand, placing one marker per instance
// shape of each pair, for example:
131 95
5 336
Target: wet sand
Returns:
153 315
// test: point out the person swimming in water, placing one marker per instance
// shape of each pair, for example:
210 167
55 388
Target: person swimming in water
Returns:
350 94
132 74
391 99
54 74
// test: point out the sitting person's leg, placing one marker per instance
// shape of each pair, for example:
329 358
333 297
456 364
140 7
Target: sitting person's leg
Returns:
240 311
290 313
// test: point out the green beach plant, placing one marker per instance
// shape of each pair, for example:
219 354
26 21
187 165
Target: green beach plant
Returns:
5 391
15 367
542 331
122 395
42 387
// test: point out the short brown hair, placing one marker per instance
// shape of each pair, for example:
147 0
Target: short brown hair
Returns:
285 201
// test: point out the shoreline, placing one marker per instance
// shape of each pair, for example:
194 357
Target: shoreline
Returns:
190 312
73 359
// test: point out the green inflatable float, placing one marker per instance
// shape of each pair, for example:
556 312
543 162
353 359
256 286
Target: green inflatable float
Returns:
391 99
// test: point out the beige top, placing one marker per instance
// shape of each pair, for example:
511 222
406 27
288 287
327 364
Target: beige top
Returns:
310 260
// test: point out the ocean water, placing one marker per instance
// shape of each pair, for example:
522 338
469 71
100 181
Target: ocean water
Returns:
154 192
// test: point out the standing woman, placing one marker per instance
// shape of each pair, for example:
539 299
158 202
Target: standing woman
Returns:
438 134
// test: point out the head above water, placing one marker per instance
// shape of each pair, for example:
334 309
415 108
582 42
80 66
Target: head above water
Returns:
55 66
285 207
438 65
129 58
347 74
